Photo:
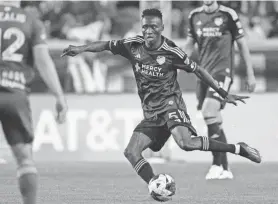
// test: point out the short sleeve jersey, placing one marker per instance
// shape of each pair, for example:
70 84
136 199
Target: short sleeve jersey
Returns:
19 33
215 34
155 72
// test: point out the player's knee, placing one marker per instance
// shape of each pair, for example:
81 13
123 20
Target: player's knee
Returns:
26 166
183 138
211 111
131 154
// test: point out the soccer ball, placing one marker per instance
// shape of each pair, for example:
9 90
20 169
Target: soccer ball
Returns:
162 187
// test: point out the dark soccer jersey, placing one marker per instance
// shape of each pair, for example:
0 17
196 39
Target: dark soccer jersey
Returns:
19 33
155 73
215 34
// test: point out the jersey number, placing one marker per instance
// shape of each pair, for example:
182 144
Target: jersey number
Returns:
9 53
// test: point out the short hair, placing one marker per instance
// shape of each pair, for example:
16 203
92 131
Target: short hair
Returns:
152 12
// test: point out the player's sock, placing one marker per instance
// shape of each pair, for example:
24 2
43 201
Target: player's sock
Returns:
224 159
216 146
214 133
144 170
27 178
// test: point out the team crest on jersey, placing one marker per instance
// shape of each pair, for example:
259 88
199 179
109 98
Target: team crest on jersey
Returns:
218 21
160 60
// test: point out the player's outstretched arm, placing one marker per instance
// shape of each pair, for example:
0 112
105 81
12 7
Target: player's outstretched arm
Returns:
97 46
48 72
208 79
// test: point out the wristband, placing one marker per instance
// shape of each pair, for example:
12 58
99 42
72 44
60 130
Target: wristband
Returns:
222 93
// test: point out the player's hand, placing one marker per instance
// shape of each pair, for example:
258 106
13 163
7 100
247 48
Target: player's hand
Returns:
251 83
72 51
61 109
234 98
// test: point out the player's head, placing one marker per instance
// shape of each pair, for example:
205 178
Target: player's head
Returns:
10 3
152 25
209 3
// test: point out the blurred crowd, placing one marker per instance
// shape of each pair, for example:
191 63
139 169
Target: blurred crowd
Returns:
84 21
91 20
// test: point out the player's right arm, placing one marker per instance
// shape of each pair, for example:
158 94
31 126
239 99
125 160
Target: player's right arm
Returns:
117 47
47 70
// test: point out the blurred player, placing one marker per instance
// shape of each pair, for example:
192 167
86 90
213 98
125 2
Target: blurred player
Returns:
215 28
155 61
22 40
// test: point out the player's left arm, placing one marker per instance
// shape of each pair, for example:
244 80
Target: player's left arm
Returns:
182 61
238 35
210 81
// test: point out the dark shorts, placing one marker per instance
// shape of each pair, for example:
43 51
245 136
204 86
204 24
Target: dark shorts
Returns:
158 132
204 91
15 115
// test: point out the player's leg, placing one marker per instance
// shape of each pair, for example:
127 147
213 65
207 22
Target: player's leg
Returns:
18 132
133 152
180 126
215 170
140 140
212 116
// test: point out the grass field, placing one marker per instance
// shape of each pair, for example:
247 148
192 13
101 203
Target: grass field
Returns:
113 183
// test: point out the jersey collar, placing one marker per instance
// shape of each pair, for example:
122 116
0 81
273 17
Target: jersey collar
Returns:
162 42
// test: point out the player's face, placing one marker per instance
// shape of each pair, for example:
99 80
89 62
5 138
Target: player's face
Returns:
209 3
152 27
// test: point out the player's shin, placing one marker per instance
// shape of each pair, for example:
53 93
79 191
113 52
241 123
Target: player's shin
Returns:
27 178
209 144
144 170
224 159
214 133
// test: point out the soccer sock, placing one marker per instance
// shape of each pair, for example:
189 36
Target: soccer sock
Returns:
214 133
28 188
224 159
144 170
27 179
216 146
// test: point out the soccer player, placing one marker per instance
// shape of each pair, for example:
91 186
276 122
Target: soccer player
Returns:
215 28
155 60
22 40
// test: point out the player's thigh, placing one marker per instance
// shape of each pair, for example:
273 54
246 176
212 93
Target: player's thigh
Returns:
182 136
17 122
180 126
156 134
224 82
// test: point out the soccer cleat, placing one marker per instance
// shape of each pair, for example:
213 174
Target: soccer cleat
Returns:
214 172
249 152
226 174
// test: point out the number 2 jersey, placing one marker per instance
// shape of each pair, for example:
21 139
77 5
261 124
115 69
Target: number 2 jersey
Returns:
215 34
19 33
155 72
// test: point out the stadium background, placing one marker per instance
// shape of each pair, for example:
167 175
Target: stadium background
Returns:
101 92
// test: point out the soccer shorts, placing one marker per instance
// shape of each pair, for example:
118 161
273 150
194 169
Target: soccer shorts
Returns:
204 91
15 115
159 130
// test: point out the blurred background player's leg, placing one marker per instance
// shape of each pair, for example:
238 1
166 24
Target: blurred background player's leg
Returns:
17 127
211 113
